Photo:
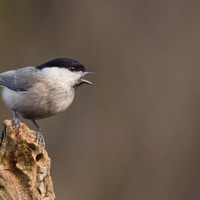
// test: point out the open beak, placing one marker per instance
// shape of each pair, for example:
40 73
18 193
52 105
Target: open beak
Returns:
87 71
84 80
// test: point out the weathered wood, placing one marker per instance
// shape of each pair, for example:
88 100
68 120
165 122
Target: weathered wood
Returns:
24 166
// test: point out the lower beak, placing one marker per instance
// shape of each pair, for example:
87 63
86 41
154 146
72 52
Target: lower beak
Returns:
86 81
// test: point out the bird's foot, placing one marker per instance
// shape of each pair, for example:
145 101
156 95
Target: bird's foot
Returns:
16 122
40 138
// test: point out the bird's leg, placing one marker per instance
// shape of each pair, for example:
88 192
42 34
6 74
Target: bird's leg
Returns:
15 120
39 136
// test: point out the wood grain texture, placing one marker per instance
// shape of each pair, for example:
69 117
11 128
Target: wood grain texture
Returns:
24 166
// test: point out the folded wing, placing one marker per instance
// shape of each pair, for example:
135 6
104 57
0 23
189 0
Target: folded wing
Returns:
18 80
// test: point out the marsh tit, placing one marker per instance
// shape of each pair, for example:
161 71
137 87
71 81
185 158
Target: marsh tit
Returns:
38 92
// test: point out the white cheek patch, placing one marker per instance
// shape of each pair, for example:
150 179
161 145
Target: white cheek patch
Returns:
61 75
71 76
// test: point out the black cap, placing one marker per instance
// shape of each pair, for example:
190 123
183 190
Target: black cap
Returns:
68 63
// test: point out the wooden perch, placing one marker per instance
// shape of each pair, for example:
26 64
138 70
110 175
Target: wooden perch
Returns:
24 166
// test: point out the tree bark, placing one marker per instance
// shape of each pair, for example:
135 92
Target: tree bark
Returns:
24 166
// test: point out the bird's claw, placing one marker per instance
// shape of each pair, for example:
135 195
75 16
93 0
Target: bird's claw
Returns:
40 138
16 123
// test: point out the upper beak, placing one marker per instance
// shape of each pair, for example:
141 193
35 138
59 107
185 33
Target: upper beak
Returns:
87 71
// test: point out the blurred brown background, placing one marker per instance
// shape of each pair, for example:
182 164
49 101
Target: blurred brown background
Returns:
134 135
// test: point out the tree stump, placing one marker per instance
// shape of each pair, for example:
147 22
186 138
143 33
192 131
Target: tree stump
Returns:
24 165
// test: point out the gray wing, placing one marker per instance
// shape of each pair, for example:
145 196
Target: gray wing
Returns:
18 80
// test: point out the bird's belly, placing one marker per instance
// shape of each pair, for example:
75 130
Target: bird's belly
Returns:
31 106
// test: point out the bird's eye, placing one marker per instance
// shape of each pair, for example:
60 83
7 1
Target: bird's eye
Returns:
72 68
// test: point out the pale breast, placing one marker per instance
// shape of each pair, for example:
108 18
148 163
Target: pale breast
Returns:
38 103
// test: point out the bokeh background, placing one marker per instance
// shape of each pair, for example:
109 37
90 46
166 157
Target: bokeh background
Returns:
135 134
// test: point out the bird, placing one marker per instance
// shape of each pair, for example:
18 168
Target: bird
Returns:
38 92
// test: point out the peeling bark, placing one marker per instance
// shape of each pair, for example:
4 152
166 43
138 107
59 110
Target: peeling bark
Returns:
24 166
